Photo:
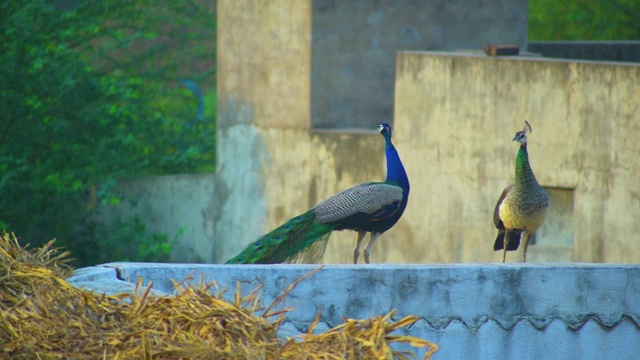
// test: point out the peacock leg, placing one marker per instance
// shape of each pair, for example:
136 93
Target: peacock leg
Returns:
356 250
505 244
367 250
525 243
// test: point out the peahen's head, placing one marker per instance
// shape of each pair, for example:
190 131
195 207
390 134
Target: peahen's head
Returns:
521 136
385 130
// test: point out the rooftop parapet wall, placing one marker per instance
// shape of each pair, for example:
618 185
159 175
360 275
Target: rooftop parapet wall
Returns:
588 50
487 311
455 118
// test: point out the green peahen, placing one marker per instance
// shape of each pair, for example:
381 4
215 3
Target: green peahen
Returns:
370 207
522 206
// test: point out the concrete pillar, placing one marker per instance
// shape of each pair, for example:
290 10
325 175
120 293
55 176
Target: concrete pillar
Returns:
264 54
264 50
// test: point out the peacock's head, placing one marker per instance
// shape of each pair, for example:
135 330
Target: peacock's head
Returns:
521 136
385 129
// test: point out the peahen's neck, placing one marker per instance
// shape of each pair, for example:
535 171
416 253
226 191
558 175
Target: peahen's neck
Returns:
395 170
524 174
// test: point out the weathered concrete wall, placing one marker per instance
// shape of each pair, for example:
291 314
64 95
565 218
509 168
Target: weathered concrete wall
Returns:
264 51
588 50
355 42
264 63
173 205
471 311
455 117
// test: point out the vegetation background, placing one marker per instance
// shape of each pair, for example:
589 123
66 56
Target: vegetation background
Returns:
93 92
584 20
96 91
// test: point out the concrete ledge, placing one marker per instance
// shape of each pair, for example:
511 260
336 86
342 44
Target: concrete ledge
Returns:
468 309
628 51
105 279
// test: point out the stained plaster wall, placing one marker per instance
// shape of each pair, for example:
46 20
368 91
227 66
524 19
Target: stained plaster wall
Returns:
455 117
354 45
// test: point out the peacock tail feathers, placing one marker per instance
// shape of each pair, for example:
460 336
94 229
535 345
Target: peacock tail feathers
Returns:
313 254
301 239
512 245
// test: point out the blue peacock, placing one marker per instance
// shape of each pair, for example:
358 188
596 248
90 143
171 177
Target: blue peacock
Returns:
370 207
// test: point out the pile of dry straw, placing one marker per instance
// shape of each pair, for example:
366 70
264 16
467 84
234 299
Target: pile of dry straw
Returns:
44 317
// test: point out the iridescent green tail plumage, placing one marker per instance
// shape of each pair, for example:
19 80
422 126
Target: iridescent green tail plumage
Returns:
299 240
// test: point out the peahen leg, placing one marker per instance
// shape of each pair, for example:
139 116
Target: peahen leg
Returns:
367 250
356 250
506 243
525 243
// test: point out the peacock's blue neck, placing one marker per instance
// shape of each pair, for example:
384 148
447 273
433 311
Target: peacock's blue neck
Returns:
395 169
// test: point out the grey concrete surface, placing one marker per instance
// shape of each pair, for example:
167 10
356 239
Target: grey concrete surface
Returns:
588 50
354 46
182 207
481 311
104 279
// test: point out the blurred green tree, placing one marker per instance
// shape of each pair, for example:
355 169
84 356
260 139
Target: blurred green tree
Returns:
91 93
584 20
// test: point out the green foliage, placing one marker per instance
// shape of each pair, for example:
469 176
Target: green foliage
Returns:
128 241
90 94
584 20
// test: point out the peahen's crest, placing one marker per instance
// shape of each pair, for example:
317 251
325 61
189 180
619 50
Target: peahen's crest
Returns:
521 136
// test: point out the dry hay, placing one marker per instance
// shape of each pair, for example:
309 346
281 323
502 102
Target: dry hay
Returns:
42 316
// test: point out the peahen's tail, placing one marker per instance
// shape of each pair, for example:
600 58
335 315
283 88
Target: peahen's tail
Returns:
299 240
514 241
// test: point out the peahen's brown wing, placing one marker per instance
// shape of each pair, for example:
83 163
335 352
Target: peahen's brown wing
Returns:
496 213
514 234
367 198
